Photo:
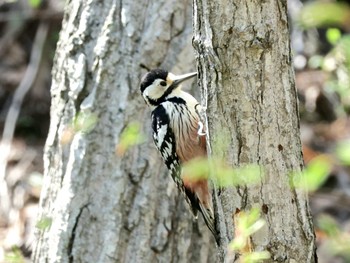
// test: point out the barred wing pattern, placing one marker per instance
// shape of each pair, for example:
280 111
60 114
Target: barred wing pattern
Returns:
164 140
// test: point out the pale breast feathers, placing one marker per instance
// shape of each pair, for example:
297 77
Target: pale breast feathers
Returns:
184 123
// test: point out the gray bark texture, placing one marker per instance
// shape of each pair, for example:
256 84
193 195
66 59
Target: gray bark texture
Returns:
247 79
104 207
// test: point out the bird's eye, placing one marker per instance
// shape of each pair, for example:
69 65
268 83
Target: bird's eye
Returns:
163 83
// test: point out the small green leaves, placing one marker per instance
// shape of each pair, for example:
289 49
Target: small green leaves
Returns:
343 152
318 14
83 122
196 169
246 224
249 174
256 256
14 256
333 35
35 3
44 223
328 225
314 174
131 136
221 173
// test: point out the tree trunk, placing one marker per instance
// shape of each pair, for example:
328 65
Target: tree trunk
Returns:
247 80
99 206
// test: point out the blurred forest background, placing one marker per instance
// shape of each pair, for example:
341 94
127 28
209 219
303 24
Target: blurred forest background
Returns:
320 40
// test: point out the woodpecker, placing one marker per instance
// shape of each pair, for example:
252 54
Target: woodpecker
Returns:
177 135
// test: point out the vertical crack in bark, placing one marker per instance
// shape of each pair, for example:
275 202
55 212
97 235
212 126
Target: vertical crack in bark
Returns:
72 237
261 97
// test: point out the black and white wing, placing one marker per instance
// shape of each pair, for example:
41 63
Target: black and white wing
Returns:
164 139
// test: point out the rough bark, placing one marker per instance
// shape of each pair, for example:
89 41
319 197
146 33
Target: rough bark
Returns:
248 88
104 207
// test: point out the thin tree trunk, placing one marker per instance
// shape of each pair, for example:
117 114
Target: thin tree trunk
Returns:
248 84
99 206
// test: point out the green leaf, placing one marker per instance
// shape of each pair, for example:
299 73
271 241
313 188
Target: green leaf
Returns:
343 152
247 223
248 174
84 122
254 257
196 169
131 136
35 3
43 223
221 173
15 256
318 14
328 225
333 35
250 222
314 174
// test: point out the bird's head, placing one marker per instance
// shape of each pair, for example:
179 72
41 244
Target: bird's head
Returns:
158 84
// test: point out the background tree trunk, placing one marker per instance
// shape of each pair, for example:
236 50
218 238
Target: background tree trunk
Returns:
105 207
248 86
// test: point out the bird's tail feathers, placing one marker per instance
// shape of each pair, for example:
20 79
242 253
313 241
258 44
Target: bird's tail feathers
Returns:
209 219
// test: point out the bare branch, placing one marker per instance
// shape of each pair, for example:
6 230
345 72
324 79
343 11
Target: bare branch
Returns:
14 110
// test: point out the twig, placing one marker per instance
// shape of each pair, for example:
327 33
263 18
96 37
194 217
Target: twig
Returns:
14 110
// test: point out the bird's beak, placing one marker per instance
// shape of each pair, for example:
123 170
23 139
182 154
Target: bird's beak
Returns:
178 79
